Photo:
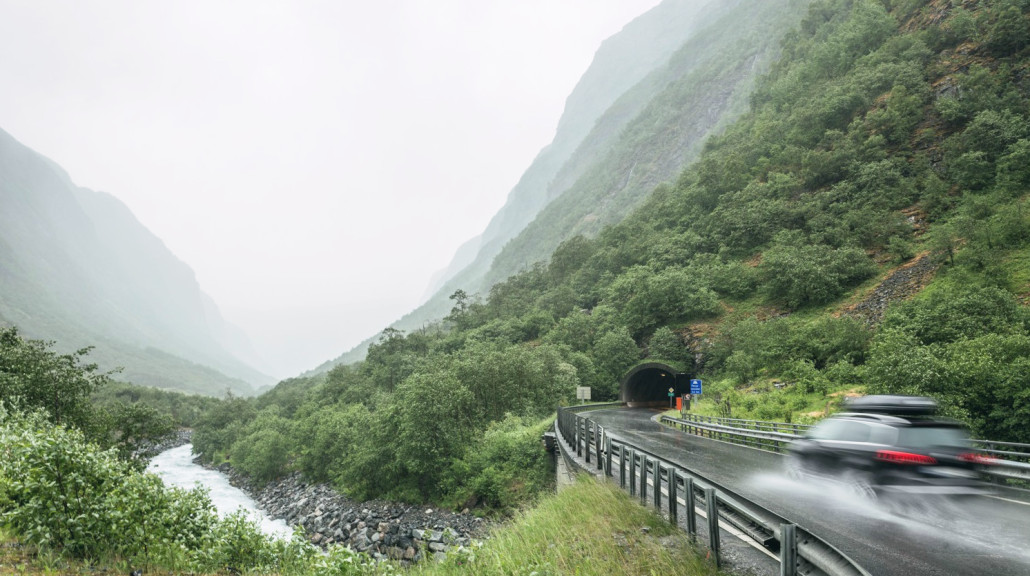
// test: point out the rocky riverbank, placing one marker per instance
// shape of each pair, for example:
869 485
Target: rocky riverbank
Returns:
379 528
180 437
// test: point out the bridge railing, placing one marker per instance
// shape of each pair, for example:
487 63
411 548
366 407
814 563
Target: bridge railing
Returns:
1012 460
685 495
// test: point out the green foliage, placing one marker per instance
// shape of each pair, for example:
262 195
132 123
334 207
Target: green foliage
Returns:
435 412
64 494
668 345
885 131
614 353
61 384
950 313
812 274
965 345
506 466
182 409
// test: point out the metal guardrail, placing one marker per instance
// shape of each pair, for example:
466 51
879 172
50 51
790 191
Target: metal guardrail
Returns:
1012 460
649 476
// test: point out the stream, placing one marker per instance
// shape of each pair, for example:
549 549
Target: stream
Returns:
176 468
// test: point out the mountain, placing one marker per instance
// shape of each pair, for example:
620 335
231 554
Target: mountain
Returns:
78 268
631 123
862 228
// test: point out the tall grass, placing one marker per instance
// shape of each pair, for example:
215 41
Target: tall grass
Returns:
589 528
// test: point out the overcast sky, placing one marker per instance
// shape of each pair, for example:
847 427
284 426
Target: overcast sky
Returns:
314 162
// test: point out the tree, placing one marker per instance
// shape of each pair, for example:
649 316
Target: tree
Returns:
61 384
615 353
435 425
667 345
812 274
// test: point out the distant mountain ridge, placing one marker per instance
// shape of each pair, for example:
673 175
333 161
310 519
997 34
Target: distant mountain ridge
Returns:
78 268
639 114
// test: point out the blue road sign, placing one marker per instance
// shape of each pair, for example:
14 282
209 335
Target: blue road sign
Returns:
695 386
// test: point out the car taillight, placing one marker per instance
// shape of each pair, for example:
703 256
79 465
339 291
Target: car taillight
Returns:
978 458
904 457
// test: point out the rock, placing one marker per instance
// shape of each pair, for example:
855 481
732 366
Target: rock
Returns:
374 527
437 547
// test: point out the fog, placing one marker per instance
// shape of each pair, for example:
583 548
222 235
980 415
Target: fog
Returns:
313 162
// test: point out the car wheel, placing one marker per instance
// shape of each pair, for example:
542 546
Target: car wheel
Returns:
860 485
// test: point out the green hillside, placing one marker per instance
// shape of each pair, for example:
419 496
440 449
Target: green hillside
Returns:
863 227
632 122
78 268
656 128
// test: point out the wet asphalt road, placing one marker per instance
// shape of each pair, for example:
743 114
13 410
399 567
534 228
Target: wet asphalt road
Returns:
975 535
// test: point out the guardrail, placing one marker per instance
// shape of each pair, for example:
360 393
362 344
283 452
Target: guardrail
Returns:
1012 460
649 476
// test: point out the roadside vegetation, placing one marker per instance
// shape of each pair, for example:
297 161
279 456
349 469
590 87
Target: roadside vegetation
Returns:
890 133
68 507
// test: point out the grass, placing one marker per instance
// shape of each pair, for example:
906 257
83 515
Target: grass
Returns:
590 528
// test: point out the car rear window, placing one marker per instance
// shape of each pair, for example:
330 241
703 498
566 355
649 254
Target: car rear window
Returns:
920 436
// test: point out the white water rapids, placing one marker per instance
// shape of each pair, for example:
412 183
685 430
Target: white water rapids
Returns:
176 468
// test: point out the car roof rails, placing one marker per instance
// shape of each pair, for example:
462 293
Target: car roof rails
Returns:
893 405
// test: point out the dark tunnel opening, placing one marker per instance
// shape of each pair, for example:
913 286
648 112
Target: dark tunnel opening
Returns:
650 384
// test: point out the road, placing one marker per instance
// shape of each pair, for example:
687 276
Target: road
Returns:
976 535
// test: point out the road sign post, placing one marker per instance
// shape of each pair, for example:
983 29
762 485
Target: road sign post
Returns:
672 394
582 393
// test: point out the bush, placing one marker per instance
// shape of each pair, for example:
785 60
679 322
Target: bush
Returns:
812 274
507 468
64 494
57 485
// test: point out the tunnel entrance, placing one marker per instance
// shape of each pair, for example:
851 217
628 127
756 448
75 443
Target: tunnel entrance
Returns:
649 384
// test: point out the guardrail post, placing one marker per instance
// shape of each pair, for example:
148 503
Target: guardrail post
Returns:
690 506
622 465
598 431
643 478
589 429
579 436
607 454
673 502
658 485
788 550
632 472
712 509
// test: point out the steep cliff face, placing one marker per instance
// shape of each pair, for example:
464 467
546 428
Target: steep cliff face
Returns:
78 268
638 116
656 128
622 62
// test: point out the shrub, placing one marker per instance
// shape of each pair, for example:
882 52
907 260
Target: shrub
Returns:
812 274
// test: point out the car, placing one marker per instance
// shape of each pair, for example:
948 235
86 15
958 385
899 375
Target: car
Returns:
889 444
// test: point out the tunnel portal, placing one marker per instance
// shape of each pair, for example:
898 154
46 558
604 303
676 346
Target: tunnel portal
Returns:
649 384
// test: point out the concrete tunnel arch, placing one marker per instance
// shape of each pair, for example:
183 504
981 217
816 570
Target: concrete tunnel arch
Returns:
648 384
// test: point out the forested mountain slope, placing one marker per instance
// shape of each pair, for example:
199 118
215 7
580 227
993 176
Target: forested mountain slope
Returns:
630 123
78 268
890 137
655 129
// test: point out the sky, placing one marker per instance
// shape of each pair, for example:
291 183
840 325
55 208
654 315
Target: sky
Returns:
314 162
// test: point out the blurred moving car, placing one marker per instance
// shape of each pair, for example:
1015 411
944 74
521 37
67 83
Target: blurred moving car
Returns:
890 444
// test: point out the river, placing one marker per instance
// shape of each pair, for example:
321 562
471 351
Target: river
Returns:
176 468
